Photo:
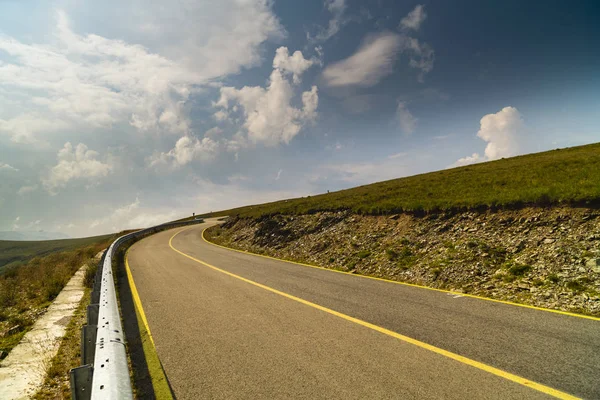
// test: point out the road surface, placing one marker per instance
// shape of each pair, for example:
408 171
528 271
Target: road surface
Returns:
233 325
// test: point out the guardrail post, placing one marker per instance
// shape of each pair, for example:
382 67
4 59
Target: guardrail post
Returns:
92 314
81 382
89 334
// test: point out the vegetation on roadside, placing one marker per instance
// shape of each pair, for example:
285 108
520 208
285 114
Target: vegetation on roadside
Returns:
27 290
14 253
564 176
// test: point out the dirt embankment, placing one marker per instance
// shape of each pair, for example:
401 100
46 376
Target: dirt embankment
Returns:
544 257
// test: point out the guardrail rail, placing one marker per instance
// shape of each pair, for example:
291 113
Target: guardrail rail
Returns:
104 371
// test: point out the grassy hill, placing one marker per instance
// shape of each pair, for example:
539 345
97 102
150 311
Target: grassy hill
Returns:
13 253
564 176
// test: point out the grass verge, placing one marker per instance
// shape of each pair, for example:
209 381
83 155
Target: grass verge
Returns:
27 290
566 176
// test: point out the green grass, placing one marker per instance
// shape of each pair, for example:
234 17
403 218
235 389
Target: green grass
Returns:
14 253
27 289
566 176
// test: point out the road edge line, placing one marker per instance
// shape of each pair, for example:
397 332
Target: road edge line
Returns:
473 296
158 377
464 360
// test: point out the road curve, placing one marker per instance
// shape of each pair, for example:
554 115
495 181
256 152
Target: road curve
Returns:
234 325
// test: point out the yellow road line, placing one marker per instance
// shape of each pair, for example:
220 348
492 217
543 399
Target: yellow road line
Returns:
136 298
476 364
405 283
158 377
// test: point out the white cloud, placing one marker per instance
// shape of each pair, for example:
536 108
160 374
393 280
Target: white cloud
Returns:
372 62
375 58
472 159
130 216
407 121
92 81
278 174
7 167
214 38
269 117
337 8
23 128
295 64
421 55
186 150
23 190
16 224
414 19
397 155
75 163
503 133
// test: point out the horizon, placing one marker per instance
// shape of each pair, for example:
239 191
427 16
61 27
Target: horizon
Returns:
200 107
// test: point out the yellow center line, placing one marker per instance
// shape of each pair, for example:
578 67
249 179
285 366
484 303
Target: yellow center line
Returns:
476 364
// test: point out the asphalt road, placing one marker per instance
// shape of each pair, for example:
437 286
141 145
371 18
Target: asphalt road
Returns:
234 325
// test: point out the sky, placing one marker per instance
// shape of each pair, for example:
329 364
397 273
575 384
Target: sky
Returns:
118 115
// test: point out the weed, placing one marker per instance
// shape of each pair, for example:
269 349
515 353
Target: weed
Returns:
391 254
575 285
553 278
436 272
517 269
363 254
331 260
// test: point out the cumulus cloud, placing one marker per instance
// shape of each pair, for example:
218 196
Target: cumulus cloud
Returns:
407 121
268 115
502 131
75 163
92 81
186 150
7 167
414 19
295 64
373 61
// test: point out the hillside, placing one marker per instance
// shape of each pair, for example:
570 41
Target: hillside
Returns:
565 176
19 252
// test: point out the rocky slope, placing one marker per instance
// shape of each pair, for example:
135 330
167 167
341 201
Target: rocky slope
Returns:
544 257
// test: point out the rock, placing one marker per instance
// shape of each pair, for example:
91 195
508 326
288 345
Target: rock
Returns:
394 217
523 286
549 241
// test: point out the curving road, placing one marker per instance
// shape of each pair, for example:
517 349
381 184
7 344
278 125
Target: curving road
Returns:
233 325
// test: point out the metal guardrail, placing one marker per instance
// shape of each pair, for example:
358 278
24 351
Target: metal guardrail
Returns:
104 373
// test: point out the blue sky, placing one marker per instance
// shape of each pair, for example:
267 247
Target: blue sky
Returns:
119 115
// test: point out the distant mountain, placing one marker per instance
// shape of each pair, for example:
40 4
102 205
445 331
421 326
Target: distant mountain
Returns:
32 235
